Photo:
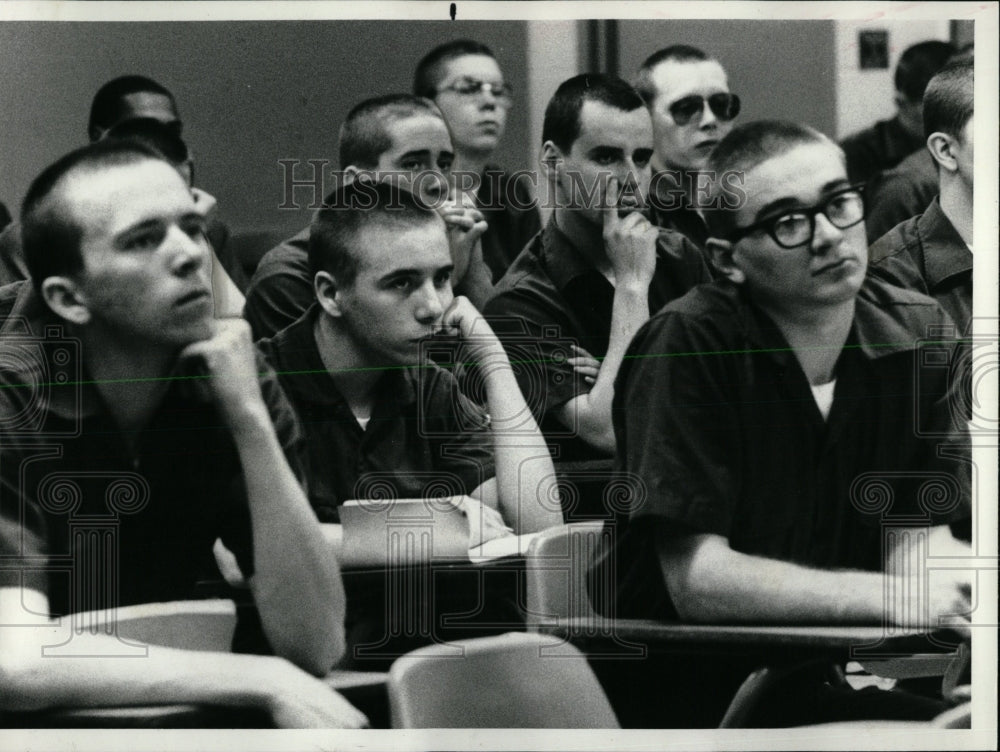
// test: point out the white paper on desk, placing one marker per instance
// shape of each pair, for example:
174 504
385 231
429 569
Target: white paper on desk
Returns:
497 548
402 531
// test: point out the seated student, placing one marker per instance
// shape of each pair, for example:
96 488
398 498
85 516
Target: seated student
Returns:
689 101
117 102
592 276
371 406
226 295
932 252
396 137
464 80
886 143
759 451
117 255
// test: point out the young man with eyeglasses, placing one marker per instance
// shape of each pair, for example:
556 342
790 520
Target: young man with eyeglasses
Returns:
464 79
590 279
688 97
764 413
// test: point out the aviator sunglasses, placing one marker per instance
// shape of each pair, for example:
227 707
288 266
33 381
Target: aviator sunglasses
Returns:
723 105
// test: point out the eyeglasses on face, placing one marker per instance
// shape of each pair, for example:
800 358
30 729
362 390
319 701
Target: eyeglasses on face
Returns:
470 87
793 229
724 106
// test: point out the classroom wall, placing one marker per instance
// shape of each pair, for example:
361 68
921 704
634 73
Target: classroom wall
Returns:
779 68
866 96
250 94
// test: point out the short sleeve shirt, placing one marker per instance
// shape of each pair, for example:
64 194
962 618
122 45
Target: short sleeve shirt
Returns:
718 432
424 437
552 297
281 287
92 522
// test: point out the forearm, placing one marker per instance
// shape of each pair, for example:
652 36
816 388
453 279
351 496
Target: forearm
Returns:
709 582
32 681
592 418
296 581
526 479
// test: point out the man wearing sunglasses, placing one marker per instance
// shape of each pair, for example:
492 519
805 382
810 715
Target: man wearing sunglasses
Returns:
764 410
688 97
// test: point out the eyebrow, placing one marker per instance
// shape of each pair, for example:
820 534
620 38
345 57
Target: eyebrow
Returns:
413 272
421 153
154 223
791 201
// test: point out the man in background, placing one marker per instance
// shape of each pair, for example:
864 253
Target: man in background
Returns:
885 144
688 97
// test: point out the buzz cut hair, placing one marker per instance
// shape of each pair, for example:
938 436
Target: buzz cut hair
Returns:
106 108
677 53
562 115
950 98
747 146
364 136
430 69
334 235
50 234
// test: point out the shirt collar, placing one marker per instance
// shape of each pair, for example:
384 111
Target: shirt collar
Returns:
68 390
305 375
563 261
945 253
879 327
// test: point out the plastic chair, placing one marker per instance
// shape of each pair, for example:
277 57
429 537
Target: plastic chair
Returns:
501 681
187 625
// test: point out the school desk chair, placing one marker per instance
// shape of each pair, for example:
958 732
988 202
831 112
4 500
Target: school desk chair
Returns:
189 625
501 681
559 603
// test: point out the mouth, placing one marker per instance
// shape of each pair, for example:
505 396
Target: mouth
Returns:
835 266
708 145
489 125
193 297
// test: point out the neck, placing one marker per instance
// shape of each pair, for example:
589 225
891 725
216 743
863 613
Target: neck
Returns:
956 203
816 335
585 236
354 375
131 383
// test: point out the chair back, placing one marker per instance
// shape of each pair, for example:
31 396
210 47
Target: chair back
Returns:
502 681
557 566
189 625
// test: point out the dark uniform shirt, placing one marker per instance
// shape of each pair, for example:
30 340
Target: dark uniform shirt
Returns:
900 193
91 522
424 437
722 435
927 254
281 287
551 297
880 147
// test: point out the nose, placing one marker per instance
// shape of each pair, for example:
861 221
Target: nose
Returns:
825 235
188 253
708 118
433 186
430 307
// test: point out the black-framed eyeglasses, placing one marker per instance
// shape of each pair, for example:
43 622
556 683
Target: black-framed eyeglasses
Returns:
724 106
470 87
843 209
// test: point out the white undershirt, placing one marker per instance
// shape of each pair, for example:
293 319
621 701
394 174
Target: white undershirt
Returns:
823 394
363 422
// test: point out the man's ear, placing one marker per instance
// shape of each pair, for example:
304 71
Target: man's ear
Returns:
941 147
551 159
350 174
721 253
327 289
64 296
